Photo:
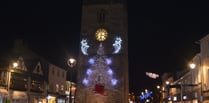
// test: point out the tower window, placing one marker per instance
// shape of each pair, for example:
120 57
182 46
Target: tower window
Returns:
101 16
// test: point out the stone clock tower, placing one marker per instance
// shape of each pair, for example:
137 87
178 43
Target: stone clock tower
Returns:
103 56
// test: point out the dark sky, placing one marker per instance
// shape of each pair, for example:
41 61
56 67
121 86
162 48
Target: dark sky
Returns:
161 32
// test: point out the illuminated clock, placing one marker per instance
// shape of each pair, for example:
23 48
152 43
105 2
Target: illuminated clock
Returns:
101 34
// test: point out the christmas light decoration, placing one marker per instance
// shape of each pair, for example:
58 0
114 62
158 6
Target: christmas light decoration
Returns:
152 75
91 61
146 95
84 46
99 74
117 45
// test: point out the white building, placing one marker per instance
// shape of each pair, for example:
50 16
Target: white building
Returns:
57 84
194 84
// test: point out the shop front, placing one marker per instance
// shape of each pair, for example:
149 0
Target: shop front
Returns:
19 97
4 96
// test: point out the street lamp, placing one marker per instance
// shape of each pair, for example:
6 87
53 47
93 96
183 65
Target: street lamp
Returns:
167 89
14 65
71 63
167 82
158 87
159 93
192 66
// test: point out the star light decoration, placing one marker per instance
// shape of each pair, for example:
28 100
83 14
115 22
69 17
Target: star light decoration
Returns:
152 75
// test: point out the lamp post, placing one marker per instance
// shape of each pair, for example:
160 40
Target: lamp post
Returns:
167 89
181 93
193 65
159 93
71 63
14 65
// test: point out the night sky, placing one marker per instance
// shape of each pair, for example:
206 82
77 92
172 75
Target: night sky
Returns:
162 33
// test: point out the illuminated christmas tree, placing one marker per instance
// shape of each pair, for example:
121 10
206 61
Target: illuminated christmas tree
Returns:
99 75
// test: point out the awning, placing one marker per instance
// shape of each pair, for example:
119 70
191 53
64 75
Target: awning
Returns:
19 95
4 92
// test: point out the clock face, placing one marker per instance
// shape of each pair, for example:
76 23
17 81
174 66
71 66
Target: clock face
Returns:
101 34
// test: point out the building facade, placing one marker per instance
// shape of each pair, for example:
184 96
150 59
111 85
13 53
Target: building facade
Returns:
57 84
193 85
103 57
25 77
